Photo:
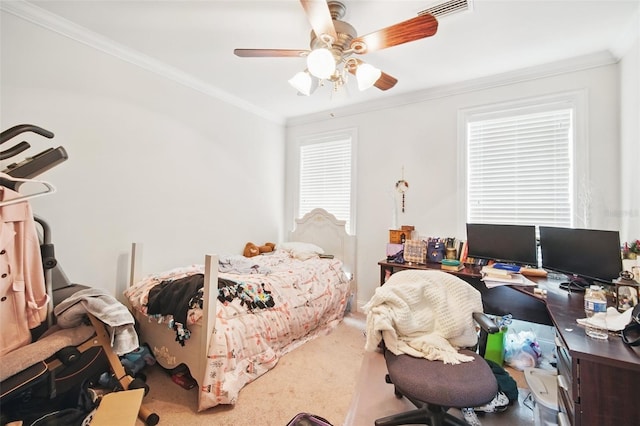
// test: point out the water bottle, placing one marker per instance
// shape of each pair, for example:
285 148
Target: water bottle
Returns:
595 301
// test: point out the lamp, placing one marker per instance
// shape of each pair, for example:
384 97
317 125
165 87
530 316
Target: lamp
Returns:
321 63
367 75
301 82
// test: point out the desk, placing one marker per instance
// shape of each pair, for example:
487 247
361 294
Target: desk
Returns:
496 301
597 380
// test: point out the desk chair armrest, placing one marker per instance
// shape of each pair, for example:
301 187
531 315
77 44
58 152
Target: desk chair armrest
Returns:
485 323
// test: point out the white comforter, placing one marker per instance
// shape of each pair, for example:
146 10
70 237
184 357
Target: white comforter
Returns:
423 313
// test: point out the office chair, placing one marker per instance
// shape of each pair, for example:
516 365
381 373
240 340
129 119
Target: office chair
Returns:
434 301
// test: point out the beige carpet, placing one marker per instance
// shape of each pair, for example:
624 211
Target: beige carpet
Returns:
319 377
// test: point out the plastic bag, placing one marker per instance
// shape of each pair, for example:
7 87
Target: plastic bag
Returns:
521 349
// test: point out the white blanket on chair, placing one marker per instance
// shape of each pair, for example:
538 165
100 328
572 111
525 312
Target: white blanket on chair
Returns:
423 313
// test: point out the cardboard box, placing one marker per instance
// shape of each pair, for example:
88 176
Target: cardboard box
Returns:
118 408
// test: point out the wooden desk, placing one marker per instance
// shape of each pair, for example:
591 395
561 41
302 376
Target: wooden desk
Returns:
597 379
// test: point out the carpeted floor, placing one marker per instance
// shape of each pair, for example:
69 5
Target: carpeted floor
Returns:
374 398
319 377
330 376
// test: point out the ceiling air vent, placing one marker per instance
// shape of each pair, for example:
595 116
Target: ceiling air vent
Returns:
447 8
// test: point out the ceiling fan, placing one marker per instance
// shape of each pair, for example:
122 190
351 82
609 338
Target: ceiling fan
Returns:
333 42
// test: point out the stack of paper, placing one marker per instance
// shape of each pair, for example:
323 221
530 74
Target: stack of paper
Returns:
496 277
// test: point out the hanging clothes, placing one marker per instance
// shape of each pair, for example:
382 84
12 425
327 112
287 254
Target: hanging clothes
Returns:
23 295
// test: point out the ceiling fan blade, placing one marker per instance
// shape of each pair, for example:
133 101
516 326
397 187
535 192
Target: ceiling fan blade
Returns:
269 53
410 30
320 18
385 82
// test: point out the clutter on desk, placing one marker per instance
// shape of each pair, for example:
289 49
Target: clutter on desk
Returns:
491 271
540 291
627 291
612 320
533 272
493 277
631 250
397 257
399 236
452 265
415 251
406 246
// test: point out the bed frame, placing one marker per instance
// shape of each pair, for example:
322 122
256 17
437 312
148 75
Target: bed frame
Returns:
318 227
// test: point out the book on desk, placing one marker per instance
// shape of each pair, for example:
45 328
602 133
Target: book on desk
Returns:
451 265
494 277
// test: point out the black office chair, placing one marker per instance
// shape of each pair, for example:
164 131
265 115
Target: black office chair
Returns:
434 386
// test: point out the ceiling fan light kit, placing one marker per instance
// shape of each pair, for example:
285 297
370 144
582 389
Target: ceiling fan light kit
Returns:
334 41
321 63
301 82
367 76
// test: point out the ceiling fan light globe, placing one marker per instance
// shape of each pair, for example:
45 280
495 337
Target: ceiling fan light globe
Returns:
321 63
301 82
367 75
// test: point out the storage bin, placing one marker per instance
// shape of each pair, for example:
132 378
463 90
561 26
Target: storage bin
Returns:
544 389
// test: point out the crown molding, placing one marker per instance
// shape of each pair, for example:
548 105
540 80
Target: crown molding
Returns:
543 71
55 23
629 36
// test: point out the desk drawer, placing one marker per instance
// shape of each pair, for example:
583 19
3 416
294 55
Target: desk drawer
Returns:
565 364
566 405
563 420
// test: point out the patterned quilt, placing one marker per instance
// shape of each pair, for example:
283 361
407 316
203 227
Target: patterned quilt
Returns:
259 316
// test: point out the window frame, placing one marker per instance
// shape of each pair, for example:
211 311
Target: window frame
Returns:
579 179
352 135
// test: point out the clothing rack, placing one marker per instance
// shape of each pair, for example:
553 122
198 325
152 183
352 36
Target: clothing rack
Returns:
32 166
26 169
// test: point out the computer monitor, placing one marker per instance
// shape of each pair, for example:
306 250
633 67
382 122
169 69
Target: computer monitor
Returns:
586 255
503 243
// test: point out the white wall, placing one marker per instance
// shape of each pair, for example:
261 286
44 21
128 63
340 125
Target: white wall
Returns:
422 137
154 161
149 159
629 211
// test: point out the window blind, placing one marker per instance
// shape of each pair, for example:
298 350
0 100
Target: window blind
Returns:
520 169
325 178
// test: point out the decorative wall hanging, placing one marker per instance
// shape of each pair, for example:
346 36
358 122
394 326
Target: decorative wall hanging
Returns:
402 186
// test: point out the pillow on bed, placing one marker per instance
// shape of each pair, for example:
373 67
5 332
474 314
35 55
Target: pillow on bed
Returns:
300 250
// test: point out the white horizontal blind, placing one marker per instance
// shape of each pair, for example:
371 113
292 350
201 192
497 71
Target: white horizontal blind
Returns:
520 169
325 177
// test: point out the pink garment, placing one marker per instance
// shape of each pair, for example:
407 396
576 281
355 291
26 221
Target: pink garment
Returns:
23 295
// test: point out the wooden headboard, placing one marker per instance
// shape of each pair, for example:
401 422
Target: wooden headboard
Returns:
324 230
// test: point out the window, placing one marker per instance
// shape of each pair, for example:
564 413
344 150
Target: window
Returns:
326 171
521 164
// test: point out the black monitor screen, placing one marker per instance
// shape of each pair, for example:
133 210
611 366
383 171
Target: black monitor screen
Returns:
587 253
503 243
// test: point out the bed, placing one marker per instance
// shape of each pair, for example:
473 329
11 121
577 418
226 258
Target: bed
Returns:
253 310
